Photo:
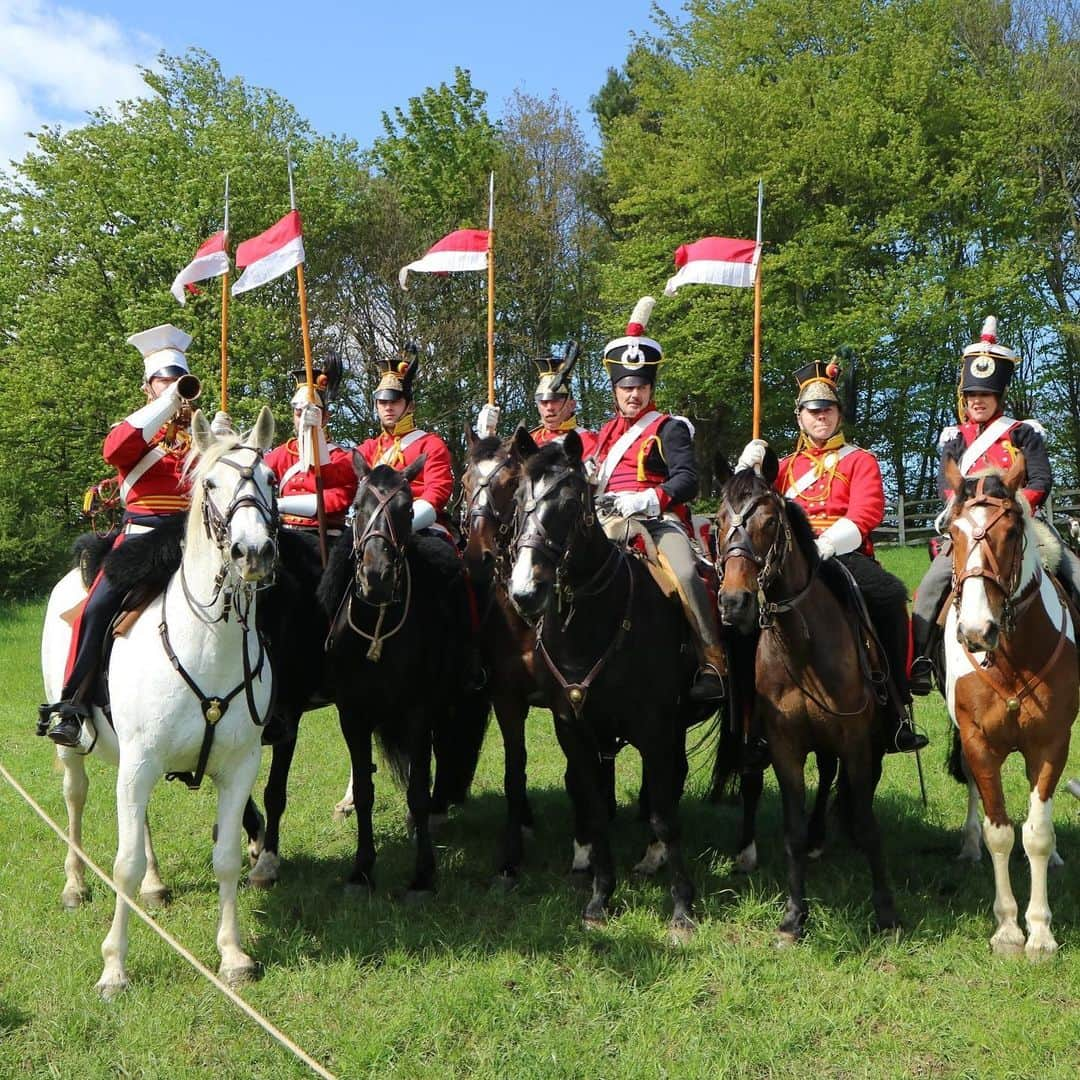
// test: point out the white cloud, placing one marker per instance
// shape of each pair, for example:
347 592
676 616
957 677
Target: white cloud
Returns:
56 63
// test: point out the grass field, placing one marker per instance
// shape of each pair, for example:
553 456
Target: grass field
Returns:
477 983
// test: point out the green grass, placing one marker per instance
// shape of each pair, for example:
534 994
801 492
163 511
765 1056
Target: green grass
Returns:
482 984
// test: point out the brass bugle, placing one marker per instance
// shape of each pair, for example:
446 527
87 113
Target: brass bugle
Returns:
188 387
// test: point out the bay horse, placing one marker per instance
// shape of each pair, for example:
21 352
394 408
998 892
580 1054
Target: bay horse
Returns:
814 692
397 652
1012 681
616 661
189 686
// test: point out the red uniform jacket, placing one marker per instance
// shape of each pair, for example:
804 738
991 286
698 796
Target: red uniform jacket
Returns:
846 483
436 480
338 477
151 473
542 436
1025 436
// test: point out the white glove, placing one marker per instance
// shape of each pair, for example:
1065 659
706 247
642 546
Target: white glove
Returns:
941 520
303 505
423 514
592 470
222 424
825 547
157 412
310 417
752 456
487 421
629 503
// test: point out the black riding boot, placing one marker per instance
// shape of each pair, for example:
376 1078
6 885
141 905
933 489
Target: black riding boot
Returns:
62 722
905 738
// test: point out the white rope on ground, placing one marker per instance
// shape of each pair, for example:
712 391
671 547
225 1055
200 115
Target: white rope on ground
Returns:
201 968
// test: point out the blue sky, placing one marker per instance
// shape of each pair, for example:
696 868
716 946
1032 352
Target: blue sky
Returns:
341 65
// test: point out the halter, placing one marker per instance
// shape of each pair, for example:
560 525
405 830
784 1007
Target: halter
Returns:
990 570
216 525
474 510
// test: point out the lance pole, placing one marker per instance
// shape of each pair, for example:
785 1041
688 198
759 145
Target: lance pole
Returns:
309 371
757 320
491 292
225 313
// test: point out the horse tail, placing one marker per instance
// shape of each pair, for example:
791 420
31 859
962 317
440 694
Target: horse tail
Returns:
394 747
735 718
458 737
954 763
725 772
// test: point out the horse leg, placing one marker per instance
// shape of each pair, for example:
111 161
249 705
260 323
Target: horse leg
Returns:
133 787
665 772
971 847
511 711
255 827
656 853
362 795
418 795
815 835
153 891
862 772
76 784
789 768
607 777
345 806
233 789
275 797
582 858
751 783
1038 833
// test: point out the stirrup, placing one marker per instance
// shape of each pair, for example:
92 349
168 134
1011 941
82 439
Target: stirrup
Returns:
906 739
702 691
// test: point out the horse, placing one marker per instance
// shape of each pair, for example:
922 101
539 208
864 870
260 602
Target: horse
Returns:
814 691
397 648
1011 681
189 687
617 662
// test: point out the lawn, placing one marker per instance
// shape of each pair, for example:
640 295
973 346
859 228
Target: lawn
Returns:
485 984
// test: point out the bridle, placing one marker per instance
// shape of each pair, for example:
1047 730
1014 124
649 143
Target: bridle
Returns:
736 543
217 524
480 507
991 570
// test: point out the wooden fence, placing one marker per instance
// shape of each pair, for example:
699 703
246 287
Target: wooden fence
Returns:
911 521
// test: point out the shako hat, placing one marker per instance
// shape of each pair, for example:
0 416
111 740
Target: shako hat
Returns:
320 381
987 366
554 374
817 382
633 359
162 349
397 374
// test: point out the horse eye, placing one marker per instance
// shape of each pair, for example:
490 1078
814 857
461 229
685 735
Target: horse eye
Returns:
211 484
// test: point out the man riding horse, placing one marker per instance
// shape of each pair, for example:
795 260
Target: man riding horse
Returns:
838 485
643 467
147 450
984 439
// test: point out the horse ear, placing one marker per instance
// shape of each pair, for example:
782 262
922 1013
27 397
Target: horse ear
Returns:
416 468
722 471
360 466
202 438
573 446
950 469
523 443
261 435
1016 474
770 467
471 437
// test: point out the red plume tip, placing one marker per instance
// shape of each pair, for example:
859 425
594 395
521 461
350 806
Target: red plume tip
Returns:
990 339
832 370
634 329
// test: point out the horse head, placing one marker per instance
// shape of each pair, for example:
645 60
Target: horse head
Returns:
554 511
754 536
234 497
382 526
987 523
492 475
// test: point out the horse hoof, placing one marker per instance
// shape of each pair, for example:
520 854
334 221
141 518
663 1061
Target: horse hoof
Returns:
504 882
786 938
815 853
239 974
264 874
1008 942
594 922
109 989
155 898
967 855
1041 946
681 930
343 810
73 899
746 861
890 926
418 897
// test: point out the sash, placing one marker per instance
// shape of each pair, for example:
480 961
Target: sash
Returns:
812 475
619 448
298 466
394 448
983 443
147 461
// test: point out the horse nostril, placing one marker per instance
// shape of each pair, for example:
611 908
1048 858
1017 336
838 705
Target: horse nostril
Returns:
236 552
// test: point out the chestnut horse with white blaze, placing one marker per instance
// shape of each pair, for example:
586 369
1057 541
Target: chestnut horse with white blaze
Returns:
1012 681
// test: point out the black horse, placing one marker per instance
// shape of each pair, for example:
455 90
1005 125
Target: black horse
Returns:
616 660
397 654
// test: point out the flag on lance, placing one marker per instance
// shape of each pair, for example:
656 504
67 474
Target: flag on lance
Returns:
270 254
463 249
211 260
715 260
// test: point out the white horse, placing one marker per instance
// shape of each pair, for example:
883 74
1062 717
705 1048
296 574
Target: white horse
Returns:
160 719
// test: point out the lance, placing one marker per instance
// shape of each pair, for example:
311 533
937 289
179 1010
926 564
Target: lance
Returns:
225 313
757 319
491 291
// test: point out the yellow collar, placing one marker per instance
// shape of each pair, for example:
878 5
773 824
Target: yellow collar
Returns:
405 424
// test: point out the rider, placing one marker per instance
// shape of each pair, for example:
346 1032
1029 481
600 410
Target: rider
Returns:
644 460
984 439
148 451
293 463
554 403
401 442
839 487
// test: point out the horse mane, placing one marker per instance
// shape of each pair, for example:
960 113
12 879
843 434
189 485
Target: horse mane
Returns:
484 448
554 453
197 465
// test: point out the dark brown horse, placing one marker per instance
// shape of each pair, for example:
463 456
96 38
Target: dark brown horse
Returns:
1011 681
814 692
